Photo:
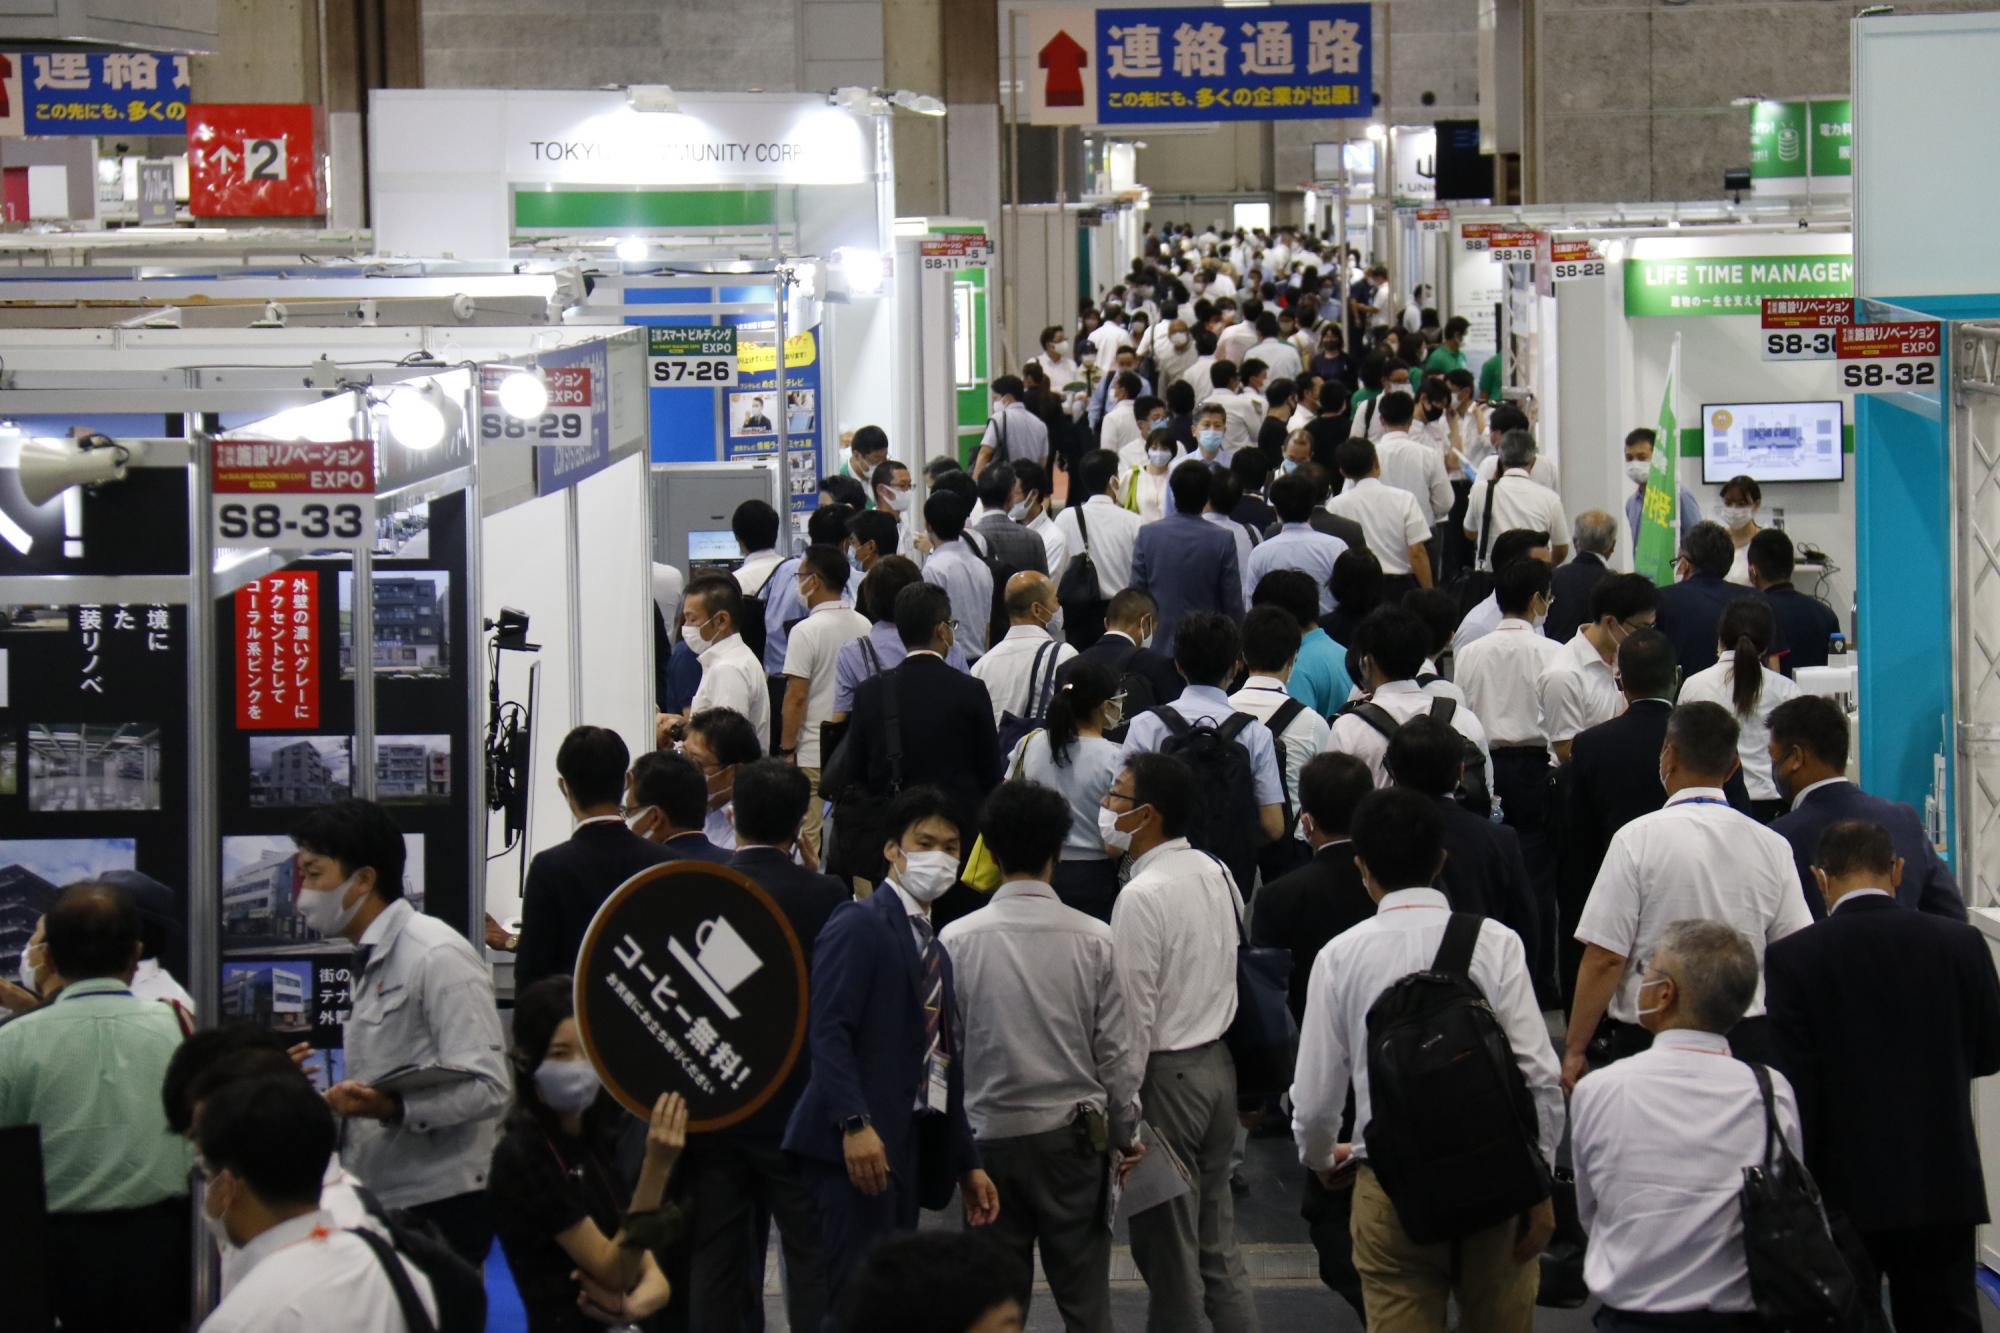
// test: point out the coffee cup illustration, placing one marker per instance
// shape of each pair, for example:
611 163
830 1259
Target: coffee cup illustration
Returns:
724 955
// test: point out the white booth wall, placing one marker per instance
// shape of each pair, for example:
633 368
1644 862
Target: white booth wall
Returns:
1613 370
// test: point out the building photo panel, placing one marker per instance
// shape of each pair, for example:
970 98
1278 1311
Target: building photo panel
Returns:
412 624
298 772
260 886
34 870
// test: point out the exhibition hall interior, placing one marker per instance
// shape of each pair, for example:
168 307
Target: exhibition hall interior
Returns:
963 666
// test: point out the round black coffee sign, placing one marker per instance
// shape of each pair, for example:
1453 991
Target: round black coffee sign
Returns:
690 980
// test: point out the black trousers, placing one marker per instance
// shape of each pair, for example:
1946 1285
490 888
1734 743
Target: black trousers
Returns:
1521 781
1329 1218
1929 1271
729 1181
1395 585
1091 887
465 1221
125 1269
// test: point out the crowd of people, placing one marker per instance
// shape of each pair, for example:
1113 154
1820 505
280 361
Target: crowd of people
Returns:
1577 912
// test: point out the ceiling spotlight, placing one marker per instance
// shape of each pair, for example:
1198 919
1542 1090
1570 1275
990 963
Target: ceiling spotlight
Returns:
923 104
859 101
652 97
524 394
1376 131
632 250
419 418
48 467
861 268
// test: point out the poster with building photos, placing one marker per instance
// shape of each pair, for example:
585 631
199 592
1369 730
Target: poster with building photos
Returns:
412 624
260 887
299 772
34 870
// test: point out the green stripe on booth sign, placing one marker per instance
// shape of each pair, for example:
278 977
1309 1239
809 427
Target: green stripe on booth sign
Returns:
590 210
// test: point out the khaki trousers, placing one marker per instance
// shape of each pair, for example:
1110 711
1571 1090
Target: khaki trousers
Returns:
809 831
1406 1285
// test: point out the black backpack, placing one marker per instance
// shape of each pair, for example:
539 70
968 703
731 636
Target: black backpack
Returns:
457 1287
1799 1278
1041 689
1002 569
1471 792
1452 1135
1079 587
752 606
1225 817
1473 584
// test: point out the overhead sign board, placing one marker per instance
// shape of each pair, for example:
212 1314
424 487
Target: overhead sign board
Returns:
1512 246
293 495
690 980
1572 260
951 251
565 422
1433 219
1204 63
1889 358
597 139
691 357
1477 234
1735 285
1803 328
255 160
93 92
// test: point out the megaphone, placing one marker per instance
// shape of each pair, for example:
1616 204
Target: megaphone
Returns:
50 467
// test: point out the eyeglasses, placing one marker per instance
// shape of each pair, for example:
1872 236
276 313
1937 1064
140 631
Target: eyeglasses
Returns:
1120 796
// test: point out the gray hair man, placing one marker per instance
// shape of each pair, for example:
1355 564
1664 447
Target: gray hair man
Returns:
1518 499
1660 1141
1596 532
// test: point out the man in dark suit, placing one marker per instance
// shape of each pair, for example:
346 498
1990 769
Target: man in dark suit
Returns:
1484 872
1882 1019
1809 764
667 804
735 1178
885 1040
567 883
1805 623
1596 535
1301 911
1691 609
1185 561
997 534
1319 520
944 735
1613 777
1147 678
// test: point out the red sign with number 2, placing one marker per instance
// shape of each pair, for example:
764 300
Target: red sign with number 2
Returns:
250 160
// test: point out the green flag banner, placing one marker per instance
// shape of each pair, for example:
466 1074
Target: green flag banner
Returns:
1659 518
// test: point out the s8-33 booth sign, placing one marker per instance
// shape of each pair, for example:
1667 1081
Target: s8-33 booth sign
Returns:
690 980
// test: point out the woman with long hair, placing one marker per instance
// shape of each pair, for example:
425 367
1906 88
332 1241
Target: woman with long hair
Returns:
1741 498
1740 682
1071 755
554 1184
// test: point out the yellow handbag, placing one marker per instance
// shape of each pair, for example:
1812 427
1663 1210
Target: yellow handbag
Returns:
982 872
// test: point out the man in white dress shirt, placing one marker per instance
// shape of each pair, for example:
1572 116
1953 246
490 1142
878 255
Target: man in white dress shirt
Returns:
1034 516
1095 522
265 1144
1393 644
1019 671
1297 545
1660 1141
731 675
1696 859
1244 410
810 659
1273 350
1580 688
1174 932
1271 640
1483 618
1492 1274
1519 501
1393 522
1121 427
1410 464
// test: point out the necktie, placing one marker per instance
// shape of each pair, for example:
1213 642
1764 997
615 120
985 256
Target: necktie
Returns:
932 958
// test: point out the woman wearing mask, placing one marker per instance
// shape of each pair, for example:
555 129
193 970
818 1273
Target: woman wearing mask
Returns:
1740 682
1072 755
554 1184
1146 487
1741 497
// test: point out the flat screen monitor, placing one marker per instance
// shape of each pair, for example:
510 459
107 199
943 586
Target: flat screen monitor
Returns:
1771 442
711 547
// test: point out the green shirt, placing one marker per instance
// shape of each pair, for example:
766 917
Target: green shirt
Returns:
88 1069
1443 361
1361 396
1489 379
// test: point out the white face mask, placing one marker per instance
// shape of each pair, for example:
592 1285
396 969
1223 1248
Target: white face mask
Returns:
28 974
691 636
1737 517
1054 624
567 1087
899 500
1180 341
1637 470
927 876
638 817
216 1227
1019 511
1159 457
1115 839
1643 1009
326 912
1059 348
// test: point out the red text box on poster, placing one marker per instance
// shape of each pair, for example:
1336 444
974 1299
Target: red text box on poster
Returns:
277 652
255 160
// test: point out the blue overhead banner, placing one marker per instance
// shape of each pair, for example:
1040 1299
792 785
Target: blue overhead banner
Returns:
1230 63
93 92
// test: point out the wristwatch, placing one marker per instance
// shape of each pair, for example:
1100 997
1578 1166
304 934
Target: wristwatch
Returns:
854 1124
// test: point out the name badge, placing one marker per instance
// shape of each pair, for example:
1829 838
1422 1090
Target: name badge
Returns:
939 1094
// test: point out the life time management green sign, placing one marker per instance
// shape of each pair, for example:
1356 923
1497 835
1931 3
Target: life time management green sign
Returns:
1797 140
1734 285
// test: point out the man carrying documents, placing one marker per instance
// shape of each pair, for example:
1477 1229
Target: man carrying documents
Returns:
426 1075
